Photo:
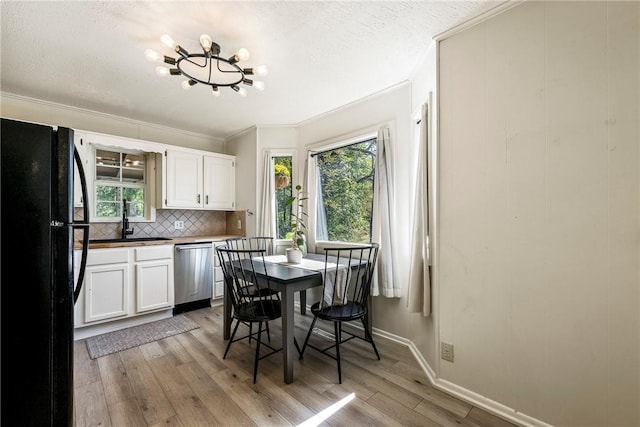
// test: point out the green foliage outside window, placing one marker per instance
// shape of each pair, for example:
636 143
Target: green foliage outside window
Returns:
283 166
346 178
119 176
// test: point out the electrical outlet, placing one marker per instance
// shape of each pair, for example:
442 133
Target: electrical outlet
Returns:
178 225
239 225
446 351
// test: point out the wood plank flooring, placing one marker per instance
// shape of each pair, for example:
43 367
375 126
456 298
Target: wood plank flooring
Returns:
183 381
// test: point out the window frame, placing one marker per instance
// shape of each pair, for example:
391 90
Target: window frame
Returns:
295 175
328 145
148 185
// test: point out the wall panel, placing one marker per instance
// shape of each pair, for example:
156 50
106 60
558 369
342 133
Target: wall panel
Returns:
539 210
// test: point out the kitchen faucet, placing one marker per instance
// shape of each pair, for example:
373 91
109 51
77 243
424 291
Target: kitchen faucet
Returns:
125 221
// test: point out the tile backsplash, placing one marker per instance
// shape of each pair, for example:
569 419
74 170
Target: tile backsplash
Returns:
196 223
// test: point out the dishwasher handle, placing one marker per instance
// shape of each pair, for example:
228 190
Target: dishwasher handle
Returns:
193 246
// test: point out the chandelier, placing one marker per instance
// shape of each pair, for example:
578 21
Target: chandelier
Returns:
208 67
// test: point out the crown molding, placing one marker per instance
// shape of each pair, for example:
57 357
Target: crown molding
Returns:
94 113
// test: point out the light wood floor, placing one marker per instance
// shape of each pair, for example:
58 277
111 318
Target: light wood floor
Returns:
183 381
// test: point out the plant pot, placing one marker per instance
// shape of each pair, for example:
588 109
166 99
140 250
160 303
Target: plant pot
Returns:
294 255
281 181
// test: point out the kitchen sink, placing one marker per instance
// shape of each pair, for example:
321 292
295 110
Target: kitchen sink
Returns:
130 239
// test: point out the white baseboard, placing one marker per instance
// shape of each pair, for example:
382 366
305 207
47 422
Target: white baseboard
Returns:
471 397
83 332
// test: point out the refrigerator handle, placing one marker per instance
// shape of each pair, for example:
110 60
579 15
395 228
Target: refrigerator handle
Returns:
83 225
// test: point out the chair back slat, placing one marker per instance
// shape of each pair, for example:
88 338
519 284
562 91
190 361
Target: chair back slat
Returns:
259 242
240 268
346 287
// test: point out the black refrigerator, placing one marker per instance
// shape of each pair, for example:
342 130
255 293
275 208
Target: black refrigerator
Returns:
37 290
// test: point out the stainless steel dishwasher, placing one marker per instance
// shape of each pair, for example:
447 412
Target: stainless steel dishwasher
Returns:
193 276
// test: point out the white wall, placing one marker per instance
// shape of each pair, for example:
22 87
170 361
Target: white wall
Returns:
539 211
243 146
37 111
389 314
249 147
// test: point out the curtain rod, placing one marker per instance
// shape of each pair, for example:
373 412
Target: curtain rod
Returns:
316 153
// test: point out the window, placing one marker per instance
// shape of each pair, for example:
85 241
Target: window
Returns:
283 170
119 176
345 192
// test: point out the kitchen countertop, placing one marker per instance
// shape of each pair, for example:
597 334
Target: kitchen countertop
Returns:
173 241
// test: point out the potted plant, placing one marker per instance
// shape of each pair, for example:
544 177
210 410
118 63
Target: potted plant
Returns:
282 176
294 253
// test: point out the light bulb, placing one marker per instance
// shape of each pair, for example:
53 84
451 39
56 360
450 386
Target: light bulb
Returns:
162 71
216 92
243 54
242 91
205 42
152 55
168 41
258 85
260 70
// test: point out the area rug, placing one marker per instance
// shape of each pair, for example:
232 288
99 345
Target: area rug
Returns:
112 342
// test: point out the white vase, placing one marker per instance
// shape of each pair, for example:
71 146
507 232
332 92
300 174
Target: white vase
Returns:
294 255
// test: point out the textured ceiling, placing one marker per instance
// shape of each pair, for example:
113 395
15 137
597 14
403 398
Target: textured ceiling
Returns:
321 55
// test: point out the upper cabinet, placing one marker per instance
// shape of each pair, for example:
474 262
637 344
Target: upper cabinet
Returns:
198 180
219 182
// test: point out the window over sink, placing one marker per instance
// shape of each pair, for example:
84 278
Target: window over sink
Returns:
120 175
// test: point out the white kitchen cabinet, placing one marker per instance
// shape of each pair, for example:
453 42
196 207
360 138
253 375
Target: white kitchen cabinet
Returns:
123 283
198 180
154 278
219 175
183 179
218 276
106 285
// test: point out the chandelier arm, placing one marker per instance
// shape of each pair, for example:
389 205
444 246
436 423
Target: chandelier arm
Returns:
188 59
237 68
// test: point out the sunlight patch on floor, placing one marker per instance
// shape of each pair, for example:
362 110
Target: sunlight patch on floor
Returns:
321 416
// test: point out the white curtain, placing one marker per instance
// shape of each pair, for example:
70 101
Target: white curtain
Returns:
419 297
267 224
322 230
384 218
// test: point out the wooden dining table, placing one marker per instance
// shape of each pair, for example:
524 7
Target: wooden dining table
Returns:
287 279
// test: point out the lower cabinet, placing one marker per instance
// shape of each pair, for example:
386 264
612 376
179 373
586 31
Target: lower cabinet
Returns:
125 282
218 276
154 278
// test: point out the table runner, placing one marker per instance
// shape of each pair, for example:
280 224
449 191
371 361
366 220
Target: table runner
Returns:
309 264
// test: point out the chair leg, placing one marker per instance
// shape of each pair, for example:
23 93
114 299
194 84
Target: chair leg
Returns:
257 359
268 334
233 334
306 341
336 327
250 331
369 337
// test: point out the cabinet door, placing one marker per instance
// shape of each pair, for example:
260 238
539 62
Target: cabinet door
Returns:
106 293
219 182
218 276
184 179
154 285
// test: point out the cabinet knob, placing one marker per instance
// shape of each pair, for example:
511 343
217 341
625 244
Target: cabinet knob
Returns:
206 199
198 198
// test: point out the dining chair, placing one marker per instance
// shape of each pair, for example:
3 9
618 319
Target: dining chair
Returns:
249 289
253 243
239 268
345 292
